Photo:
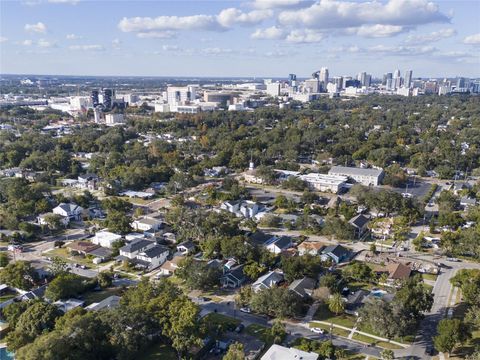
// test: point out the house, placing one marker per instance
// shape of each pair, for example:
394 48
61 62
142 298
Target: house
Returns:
42 219
69 304
108 303
88 181
303 287
231 206
70 210
359 223
147 224
355 300
249 209
101 254
132 249
105 238
170 266
367 177
186 247
278 352
267 281
336 253
277 245
82 247
259 238
310 247
234 278
153 257
467 202
398 271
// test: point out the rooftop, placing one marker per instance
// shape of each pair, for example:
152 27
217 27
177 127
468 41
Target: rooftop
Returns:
355 171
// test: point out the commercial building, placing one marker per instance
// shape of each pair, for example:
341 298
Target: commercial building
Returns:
273 89
181 95
218 97
114 118
322 182
367 177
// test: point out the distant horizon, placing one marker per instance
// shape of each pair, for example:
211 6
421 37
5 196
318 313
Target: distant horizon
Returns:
222 77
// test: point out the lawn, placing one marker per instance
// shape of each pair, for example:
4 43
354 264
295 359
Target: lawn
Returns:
65 255
7 296
363 338
334 330
159 352
220 322
387 345
324 314
97 296
260 332
430 277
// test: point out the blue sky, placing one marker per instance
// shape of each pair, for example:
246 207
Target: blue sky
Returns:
239 38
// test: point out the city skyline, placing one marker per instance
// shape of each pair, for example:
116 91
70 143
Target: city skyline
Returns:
262 38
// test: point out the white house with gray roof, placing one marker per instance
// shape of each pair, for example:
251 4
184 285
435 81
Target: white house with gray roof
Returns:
69 210
267 281
367 177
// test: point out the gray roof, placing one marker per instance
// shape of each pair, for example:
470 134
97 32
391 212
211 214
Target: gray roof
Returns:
155 251
101 252
359 221
337 250
136 245
271 277
301 285
344 170
70 207
283 242
108 303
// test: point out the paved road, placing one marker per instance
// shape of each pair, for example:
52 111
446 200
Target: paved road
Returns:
295 330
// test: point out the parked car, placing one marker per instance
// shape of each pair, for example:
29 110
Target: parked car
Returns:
317 330
245 310
429 350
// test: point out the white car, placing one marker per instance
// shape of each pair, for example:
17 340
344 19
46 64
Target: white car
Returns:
245 310
317 330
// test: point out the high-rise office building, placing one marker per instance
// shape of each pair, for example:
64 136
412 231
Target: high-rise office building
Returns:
386 77
312 85
181 95
94 98
107 98
338 81
292 81
397 79
408 79
324 75
364 79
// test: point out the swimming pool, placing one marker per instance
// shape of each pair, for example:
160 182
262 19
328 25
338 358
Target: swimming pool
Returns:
6 355
378 293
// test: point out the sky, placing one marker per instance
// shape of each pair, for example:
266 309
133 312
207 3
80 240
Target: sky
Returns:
254 38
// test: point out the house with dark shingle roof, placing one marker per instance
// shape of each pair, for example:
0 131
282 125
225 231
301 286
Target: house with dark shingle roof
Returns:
234 278
360 223
336 253
303 287
267 281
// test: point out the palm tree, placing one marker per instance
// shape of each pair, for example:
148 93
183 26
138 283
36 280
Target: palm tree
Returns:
336 304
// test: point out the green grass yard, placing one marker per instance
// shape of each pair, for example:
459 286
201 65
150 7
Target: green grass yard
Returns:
97 296
159 352
324 314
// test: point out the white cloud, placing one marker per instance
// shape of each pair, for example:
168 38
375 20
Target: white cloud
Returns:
3 39
431 37
304 36
46 44
329 14
270 33
38 28
157 35
277 53
276 4
376 31
472 39
229 17
160 23
73 37
27 42
401 50
226 19
87 47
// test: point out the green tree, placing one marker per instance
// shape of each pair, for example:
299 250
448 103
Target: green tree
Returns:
235 352
105 279
451 332
65 285
37 318
118 222
198 275
19 274
278 332
4 260
58 266
336 304
387 354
